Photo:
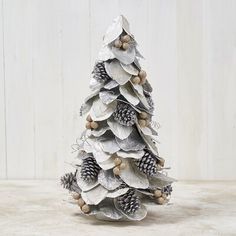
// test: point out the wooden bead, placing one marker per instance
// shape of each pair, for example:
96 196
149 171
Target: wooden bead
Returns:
94 125
122 166
116 171
118 43
160 200
136 80
164 195
88 125
143 115
89 118
85 208
159 168
117 161
143 81
157 193
80 202
76 196
125 38
161 162
142 74
142 122
125 46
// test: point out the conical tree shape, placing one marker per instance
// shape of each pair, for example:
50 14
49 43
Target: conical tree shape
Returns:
118 166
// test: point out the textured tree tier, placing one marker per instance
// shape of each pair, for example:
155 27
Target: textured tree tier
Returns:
118 167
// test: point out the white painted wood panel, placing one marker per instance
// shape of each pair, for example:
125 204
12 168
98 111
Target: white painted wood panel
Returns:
48 50
19 89
2 102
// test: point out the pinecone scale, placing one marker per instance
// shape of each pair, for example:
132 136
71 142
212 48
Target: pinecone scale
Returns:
129 202
99 72
125 114
148 163
89 169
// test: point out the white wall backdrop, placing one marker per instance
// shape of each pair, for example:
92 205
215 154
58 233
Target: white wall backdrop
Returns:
47 52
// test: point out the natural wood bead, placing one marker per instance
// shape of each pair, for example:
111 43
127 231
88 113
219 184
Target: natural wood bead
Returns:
159 168
116 171
88 125
136 80
125 38
122 166
160 200
164 195
157 193
142 122
118 43
125 46
76 196
80 202
117 161
143 115
94 125
143 81
142 74
161 162
85 208
89 118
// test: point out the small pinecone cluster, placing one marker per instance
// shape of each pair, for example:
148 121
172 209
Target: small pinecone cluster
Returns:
125 114
89 169
67 180
148 163
129 202
99 72
167 190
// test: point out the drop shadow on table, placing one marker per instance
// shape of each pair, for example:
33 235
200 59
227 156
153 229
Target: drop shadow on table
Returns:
156 216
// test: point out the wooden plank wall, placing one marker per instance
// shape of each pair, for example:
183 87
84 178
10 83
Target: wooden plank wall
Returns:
47 52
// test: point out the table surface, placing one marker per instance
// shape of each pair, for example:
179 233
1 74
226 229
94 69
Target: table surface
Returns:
29 208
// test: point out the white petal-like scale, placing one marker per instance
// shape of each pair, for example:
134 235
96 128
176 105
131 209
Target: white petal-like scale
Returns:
117 73
120 131
147 87
143 100
95 195
108 96
92 95
132 176
159 180
107 211
127 91
117 193
105 53
108 164
135 155
138 54
108 180
136 62
124 56
149 141
111 84
133 143
130 68
99 111
138 88
146 130
113 31
95 85
85 186
100 131
138 215
99 154
109 144
88 145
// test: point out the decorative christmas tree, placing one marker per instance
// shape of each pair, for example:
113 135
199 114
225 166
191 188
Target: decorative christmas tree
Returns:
118 167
